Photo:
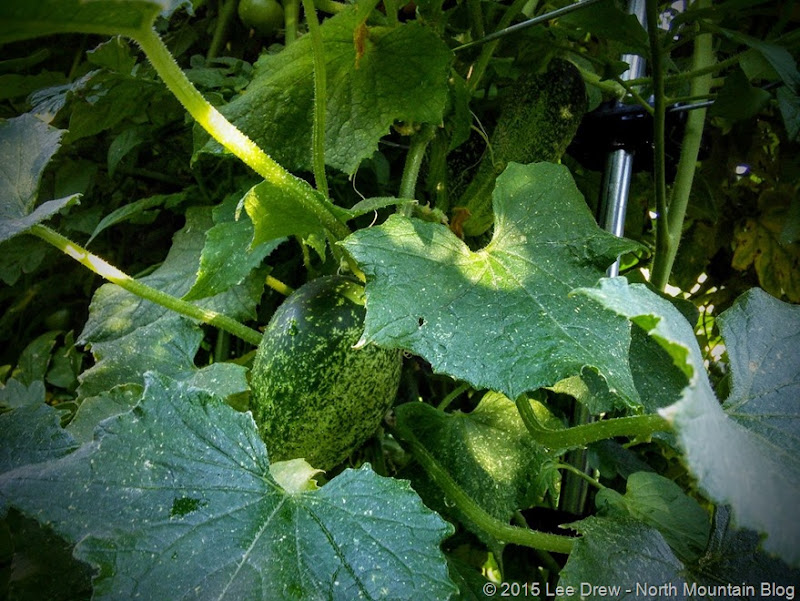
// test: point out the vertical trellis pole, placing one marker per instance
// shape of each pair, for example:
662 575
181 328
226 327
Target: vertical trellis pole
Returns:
613 207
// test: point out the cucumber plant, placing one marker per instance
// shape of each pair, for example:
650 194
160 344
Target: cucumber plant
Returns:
397 427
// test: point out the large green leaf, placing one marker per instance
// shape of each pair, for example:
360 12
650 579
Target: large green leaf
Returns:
401 75
227 258
23 19
31 434
747 452
617 555
26 147
488 452
632 560
129 335
762 337
185 502
501 317
659 502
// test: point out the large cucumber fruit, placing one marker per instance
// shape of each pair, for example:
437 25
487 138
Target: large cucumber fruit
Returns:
313 395
538 119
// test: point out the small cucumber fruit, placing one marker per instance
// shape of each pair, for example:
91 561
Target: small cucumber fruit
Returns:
313 395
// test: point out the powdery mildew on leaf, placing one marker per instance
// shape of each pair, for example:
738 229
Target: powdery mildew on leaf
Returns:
501 317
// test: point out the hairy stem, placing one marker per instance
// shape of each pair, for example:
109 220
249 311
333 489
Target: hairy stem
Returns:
452 396
408 183
663 241
126 282
227 10
640 426
330 6
687 164
230 137
509 534
320 98
279 286
291 17
479 67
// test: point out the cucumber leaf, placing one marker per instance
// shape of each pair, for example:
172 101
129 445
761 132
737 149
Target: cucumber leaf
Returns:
629 557
618 554
185 502
756 433
26 147
659 502
25 19
488 452
32 434
501 317
400 74
276 213
129 335
227 257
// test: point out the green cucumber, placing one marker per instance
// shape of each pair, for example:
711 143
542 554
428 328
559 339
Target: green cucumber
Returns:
314 395
538 120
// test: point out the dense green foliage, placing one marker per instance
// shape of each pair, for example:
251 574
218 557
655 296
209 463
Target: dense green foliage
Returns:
363 238
538 119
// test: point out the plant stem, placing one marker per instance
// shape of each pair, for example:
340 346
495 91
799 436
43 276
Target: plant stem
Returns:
640 426
278 286
320 98
693 73
580 474
607 86
504 532
479 67
230 137
126 282
663 242
330 6
476 19
391 7
291 17
453 395
408 183
687 164
226 12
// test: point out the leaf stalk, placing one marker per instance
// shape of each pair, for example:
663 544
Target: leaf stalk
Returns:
230 136
639 426
702 60
320 98
525 537
126 282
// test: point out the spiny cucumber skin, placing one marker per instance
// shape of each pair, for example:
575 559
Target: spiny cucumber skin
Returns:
313 395
539 119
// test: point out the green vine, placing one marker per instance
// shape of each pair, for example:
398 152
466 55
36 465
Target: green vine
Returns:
416 153
230 137
525 537
702 60
638 426
671 217
126 282
320 98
